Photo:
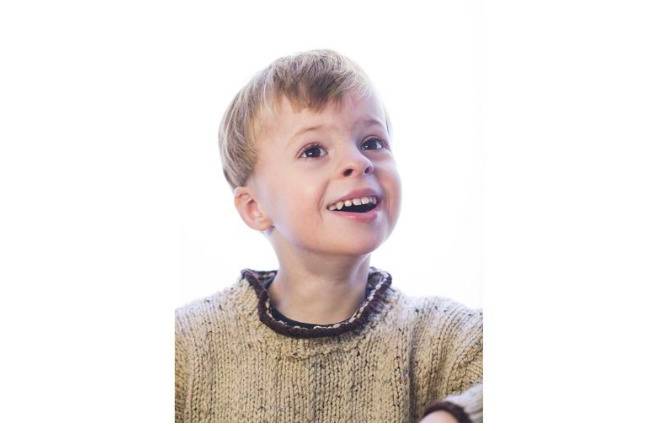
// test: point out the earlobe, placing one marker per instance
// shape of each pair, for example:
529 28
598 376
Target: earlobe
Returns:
249 209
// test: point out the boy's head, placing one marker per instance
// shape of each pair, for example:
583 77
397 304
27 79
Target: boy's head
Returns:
302 135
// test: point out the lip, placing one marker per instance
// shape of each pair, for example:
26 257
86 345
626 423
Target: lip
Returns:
359 193
367 217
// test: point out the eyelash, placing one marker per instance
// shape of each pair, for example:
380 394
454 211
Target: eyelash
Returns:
383 143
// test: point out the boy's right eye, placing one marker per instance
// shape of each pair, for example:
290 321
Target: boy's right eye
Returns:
312 152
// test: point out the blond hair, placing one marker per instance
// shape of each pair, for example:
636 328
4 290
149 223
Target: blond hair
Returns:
309 79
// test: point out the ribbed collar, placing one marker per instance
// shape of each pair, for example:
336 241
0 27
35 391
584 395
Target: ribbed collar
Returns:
379 284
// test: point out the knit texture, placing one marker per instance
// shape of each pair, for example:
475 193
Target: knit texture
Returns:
395 359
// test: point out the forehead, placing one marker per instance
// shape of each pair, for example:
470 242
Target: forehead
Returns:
285 118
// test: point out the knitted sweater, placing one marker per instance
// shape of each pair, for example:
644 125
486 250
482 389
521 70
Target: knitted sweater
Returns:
395 359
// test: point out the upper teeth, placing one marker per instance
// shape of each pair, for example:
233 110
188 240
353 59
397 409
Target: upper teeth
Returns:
356 201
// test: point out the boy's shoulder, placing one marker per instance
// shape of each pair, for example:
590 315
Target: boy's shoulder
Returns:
435 313
221 306
435 305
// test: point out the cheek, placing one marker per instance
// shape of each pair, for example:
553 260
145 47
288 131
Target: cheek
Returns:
398 192
300 212
392 184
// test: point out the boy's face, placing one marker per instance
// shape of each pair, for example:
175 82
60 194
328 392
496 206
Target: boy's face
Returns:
309 160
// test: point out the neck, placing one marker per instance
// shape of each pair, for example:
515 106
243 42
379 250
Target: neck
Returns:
320 289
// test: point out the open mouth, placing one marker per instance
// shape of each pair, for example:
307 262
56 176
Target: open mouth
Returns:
356 205
363 208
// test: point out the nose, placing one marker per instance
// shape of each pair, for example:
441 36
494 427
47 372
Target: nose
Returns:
355 163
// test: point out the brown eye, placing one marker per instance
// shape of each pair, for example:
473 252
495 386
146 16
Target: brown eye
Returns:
312 152
377 143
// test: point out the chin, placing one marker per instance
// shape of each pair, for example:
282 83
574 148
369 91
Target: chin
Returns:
359 249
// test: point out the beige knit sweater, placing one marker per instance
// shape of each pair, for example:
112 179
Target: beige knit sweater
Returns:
394 360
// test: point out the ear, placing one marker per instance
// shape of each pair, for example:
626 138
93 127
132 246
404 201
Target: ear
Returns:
249 209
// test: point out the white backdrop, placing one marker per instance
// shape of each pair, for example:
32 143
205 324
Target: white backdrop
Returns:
426 72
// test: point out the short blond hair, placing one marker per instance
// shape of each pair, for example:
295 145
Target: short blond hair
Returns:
309 79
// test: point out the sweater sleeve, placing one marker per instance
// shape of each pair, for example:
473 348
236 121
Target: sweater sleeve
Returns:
181 373
462 383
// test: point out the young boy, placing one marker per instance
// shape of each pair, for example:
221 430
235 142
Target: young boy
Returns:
306 148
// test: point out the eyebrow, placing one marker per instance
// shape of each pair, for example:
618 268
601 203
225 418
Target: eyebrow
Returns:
365 122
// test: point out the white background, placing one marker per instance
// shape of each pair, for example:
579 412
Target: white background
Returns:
536 119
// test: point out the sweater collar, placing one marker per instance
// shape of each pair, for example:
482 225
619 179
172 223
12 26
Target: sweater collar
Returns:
378 286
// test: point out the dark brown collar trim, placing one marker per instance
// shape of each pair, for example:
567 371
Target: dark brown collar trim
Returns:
379 281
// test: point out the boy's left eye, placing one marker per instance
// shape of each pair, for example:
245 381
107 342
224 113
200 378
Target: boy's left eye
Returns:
377 142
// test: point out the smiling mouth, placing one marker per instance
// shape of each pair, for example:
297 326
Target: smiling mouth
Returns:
356 208
363 208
